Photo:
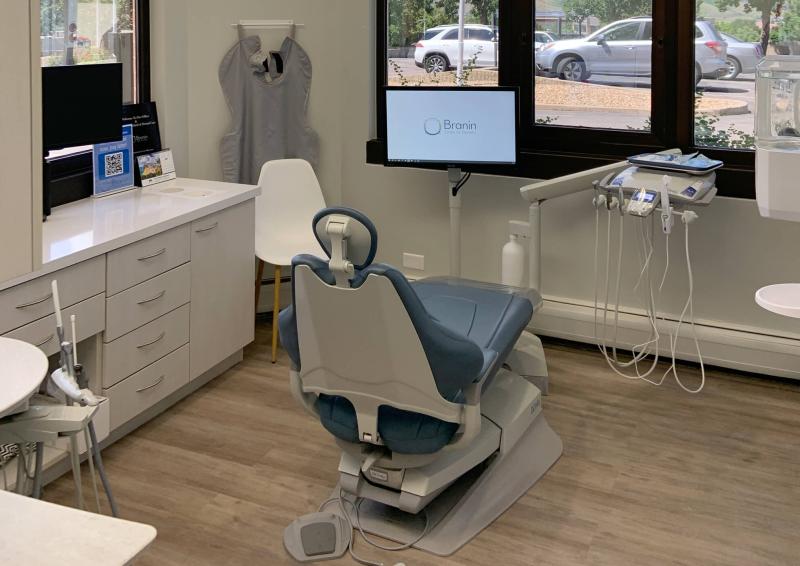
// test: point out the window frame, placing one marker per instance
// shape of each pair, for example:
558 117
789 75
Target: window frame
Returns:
548 151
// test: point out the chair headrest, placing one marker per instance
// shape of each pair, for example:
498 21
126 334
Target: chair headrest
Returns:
362 238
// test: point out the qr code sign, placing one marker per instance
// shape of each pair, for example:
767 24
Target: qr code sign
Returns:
114 164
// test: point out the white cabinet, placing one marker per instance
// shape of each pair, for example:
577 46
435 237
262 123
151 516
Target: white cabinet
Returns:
222 250
164 309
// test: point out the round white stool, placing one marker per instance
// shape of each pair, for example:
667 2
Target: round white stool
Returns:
24 367
781 299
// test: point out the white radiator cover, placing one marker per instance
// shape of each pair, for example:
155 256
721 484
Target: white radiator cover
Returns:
744 349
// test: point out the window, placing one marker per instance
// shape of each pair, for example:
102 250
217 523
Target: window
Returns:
600 80
83 32
733 39
78 32
596 79
421 39
480 34
451 35
625 32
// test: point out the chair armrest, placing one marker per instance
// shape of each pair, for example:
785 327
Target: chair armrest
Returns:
472 393
307 400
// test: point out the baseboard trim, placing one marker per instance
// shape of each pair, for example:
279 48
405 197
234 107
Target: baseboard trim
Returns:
734 348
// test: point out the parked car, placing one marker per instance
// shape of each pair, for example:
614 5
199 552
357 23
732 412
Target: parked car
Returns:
542 38
437 51
742 57
624 48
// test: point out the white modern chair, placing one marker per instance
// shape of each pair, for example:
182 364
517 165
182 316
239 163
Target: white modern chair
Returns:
290 197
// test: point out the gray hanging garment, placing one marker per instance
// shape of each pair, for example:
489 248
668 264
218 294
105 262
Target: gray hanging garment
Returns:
269 110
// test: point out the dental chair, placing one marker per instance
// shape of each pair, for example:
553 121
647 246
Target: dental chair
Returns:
428 387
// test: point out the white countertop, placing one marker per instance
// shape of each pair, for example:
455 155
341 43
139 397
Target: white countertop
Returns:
34 532
94 226
24 368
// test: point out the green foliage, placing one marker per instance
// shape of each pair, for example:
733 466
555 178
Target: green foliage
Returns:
619 9
53 13
606 10
578 10
765 8
708 134
408 19
484 10
743 29
124 15
789 28
52 16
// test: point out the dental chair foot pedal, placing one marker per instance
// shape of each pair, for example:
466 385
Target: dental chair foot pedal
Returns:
318 536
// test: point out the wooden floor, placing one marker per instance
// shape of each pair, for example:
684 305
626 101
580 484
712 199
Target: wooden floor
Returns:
649 476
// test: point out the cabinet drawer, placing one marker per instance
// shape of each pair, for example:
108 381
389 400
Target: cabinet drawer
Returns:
146 302
137 349
142 390
144 260
34 300
91 318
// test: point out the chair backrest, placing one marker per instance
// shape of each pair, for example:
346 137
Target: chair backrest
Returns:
290 197
369 339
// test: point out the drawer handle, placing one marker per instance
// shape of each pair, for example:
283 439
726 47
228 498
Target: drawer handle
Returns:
158 253
36 302
201 230
159 339
45 341
161 294
156 384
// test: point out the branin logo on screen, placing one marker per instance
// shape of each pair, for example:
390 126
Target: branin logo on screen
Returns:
435 126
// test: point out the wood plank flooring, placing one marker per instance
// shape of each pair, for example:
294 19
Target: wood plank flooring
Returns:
649 476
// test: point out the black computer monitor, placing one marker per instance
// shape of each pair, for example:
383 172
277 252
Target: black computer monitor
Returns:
451 126
81 105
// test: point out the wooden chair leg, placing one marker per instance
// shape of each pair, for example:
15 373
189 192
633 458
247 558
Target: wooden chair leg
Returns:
259 279
276 307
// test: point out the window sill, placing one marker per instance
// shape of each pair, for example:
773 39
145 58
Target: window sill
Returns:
735 180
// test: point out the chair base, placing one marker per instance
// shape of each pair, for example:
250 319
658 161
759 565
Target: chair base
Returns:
471 503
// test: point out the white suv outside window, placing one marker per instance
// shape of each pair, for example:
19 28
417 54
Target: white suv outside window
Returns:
437 51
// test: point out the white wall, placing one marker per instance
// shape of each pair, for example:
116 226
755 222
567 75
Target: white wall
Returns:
20 146
190 38
734 250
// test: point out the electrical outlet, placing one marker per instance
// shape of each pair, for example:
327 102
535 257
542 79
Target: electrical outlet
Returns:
414 261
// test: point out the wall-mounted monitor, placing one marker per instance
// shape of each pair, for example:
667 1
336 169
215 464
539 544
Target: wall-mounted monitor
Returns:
81 105
451 126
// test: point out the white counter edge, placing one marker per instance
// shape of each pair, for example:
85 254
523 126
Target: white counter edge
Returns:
134 236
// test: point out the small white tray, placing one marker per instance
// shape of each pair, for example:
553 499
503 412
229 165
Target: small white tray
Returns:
781 299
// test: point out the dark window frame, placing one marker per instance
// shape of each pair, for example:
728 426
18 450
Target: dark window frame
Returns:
551 151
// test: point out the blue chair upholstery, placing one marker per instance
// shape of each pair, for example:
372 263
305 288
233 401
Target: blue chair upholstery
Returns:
465 333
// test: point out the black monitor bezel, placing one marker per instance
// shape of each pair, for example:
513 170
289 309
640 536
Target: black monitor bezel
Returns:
462 164
80 138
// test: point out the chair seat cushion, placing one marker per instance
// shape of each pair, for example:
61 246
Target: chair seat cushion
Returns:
493 320
403 432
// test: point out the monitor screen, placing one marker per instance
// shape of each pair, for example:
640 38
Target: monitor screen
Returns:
453 126
81 104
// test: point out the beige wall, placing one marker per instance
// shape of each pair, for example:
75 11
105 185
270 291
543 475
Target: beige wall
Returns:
735 251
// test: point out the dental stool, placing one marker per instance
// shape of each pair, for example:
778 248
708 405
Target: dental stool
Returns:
429 388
